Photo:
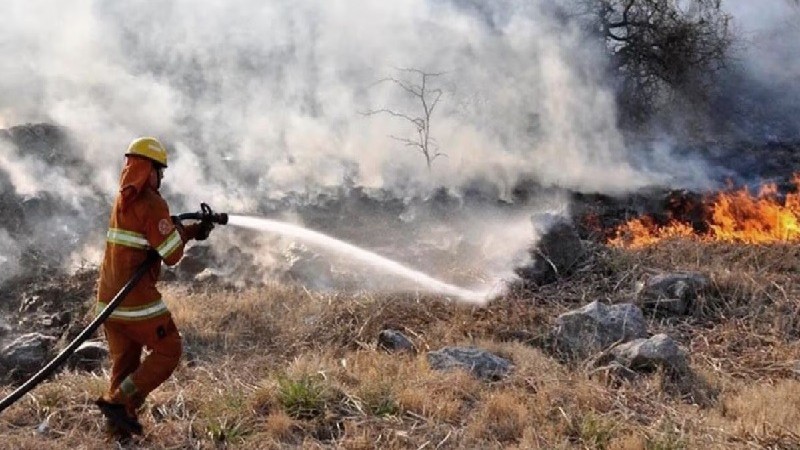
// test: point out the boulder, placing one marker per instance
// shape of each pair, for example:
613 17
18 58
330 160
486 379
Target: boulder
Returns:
89 356
479 362
672 292
394 341
659 351
25 355
582 332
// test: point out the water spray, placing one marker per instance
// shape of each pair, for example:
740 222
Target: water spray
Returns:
207 215
373 259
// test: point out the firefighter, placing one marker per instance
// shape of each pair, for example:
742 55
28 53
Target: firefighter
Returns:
140 223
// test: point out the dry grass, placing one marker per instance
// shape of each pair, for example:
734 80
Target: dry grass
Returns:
280 367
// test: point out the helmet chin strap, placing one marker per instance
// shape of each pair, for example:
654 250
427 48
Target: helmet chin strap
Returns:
159 175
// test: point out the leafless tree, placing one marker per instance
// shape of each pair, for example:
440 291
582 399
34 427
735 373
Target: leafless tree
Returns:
428 98
661 47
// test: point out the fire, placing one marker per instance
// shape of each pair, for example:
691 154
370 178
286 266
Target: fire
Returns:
736 216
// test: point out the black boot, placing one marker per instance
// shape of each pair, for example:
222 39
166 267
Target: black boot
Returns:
118 417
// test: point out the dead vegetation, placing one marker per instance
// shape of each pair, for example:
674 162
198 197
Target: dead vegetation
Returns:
282 367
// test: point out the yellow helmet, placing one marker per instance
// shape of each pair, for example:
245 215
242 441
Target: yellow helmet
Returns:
149 148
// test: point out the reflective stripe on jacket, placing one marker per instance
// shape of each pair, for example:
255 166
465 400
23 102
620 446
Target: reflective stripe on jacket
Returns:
143 224
142 312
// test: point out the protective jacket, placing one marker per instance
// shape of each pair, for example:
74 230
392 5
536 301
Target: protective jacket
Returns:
140 221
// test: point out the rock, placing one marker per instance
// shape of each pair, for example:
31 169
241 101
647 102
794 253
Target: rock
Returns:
25 355
590 329
479 362
672 292
650 354
89 356
556 254
392 341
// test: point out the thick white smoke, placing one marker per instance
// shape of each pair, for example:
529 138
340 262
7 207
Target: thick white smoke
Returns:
257 99
269 96
768 61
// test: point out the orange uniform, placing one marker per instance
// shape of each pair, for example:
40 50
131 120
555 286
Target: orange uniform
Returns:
140 222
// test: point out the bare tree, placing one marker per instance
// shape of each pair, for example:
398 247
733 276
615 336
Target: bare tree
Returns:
660 48
428 99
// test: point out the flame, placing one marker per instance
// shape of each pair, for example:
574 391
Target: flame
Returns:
736 216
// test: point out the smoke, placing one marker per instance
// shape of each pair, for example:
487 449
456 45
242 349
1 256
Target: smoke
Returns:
30 175
761 94
268 96
258 101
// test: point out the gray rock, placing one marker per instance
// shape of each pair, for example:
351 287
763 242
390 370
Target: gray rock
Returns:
89 356
392 341
594 327
672 292
649 354
25 355
479 362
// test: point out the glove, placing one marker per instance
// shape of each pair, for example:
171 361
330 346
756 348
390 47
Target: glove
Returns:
203 230
197 231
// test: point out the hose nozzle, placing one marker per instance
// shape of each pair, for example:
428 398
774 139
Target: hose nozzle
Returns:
211 216
206 214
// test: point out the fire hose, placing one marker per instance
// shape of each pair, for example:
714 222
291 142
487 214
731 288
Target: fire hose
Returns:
204 215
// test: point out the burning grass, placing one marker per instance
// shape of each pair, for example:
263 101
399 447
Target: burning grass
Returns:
281 367
733 216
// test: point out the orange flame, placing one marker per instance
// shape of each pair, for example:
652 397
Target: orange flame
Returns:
736 216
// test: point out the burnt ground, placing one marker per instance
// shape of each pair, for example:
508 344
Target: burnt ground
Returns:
47 301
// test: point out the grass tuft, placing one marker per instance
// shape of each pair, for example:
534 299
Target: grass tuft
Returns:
302 398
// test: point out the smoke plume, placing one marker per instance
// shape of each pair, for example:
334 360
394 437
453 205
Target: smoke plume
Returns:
760 96
268 96
259 101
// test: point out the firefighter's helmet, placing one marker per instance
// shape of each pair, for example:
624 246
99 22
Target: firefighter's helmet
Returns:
149 148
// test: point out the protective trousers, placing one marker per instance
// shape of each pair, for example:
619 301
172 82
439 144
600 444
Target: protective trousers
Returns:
132 378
